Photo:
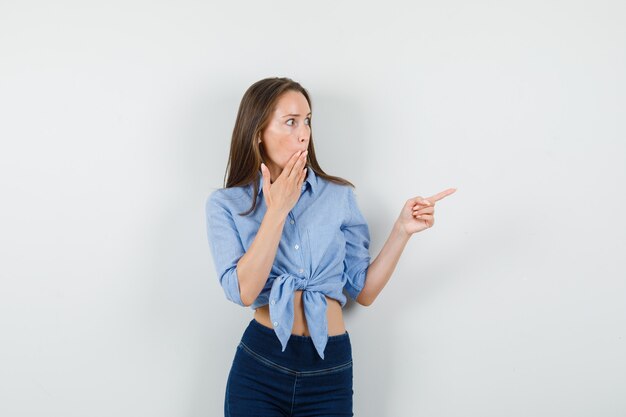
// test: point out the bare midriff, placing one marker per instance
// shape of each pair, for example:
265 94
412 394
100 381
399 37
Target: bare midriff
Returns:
334 316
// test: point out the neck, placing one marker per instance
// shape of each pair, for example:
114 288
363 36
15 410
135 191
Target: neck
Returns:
275 172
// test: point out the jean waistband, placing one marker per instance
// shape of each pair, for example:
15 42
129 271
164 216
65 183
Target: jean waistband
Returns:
300 353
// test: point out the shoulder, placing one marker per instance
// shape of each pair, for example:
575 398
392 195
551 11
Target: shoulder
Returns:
231 197
340 193
333 188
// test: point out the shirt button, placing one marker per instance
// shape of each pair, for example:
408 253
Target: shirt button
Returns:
275 323
273 301
291 221
297 246
301 270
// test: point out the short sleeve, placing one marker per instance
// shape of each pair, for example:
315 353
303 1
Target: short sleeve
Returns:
357 260
225 244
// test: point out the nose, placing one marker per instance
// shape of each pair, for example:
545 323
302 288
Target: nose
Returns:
304 134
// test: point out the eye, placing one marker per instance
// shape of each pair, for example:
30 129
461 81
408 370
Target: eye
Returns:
288 120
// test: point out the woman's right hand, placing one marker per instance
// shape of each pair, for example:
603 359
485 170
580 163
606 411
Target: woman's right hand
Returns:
284 192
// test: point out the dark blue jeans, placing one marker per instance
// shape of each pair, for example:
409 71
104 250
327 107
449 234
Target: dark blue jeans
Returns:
266 382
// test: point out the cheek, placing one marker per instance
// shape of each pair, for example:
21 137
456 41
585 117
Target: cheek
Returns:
280 148
286 147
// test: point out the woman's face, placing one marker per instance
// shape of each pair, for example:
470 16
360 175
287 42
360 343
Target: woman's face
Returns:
287 132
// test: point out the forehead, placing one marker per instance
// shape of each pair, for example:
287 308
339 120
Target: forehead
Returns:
292 102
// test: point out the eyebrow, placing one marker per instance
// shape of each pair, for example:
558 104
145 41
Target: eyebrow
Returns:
291 114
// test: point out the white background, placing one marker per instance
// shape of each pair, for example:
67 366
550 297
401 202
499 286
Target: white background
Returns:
115 124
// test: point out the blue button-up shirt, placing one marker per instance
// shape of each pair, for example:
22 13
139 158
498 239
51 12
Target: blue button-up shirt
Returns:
324 248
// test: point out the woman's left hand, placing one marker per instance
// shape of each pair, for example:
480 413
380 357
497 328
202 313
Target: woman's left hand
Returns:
418 213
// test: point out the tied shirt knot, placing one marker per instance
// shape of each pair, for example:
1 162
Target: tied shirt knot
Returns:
282 310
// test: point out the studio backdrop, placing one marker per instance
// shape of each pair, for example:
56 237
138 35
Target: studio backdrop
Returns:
115 124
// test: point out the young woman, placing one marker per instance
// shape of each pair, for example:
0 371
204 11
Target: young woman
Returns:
286 239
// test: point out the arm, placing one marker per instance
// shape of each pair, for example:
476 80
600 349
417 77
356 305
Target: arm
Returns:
379 271
242 273
416 215
255 265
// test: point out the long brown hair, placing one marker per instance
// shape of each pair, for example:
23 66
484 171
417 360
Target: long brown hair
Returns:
246 155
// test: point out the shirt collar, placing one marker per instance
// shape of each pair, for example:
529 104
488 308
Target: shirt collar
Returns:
311 178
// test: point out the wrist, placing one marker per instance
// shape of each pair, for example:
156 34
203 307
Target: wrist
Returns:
400 231
276 215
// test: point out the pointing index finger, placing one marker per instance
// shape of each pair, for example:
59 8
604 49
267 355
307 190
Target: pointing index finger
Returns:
441 195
